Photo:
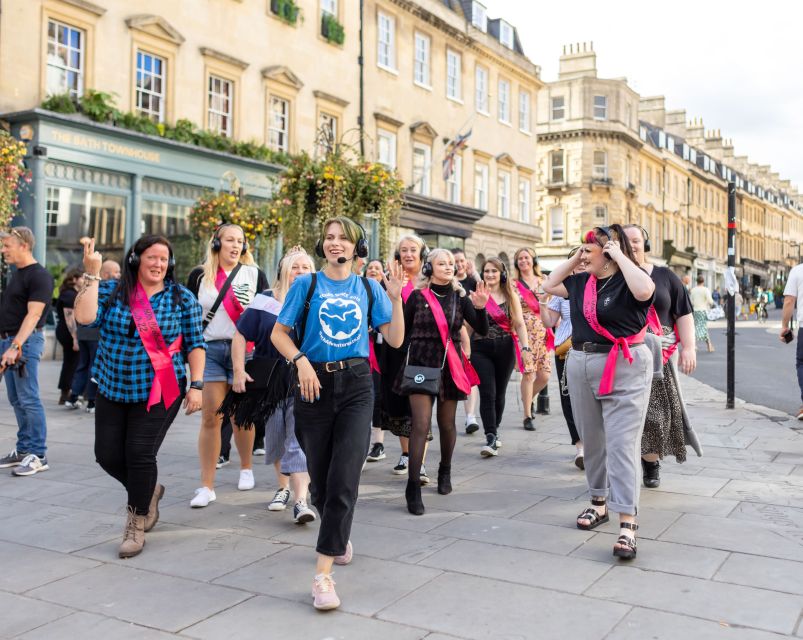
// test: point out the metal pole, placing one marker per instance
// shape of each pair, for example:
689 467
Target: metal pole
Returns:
361 61
729 403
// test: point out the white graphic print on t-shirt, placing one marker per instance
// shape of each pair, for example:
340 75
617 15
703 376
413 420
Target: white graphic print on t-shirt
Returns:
340 316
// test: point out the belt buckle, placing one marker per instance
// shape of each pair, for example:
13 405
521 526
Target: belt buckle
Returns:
338 364
586 348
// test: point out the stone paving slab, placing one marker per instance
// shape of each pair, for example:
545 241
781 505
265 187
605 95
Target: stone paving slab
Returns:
720 552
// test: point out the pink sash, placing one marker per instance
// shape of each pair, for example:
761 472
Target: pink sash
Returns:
590 313
165 383
529 297
459 376
654 323
372 356
407 290
230 301
500 318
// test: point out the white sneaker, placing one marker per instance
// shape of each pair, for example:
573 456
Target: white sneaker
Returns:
246 482
203 497
280 500
259 452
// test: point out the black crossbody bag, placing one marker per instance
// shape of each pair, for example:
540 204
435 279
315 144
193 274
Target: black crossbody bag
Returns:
427 380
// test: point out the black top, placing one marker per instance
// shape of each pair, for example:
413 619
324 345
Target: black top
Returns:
29 284
66 300
494 330
419 323
469 283
617 308
671 298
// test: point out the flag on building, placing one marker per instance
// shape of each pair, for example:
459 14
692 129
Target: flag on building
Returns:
451 151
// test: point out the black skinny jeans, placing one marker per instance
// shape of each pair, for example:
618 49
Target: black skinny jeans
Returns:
566 402
334 433
127 439
494 359
69 363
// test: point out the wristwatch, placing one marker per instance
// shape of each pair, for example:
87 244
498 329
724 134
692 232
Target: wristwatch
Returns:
297 357
197 384
16 346
526 349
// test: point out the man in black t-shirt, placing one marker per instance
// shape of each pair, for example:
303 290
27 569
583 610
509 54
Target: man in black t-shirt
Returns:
468 282
23 309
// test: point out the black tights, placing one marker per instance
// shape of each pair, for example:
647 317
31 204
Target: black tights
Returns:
421 406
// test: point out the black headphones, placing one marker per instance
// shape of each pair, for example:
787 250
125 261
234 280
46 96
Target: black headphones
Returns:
215 243
503 275
134 258
360 249
427 269
646 236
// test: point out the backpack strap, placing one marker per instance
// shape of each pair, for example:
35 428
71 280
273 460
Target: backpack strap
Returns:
370 293
305 312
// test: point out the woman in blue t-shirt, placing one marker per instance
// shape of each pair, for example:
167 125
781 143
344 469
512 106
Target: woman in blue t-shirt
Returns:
334 394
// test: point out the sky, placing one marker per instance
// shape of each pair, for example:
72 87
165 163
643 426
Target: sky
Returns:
736 64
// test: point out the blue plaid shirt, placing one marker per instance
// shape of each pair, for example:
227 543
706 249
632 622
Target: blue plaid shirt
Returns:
122 368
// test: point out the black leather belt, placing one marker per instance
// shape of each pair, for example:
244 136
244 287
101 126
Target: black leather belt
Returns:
4 335
595 347
337 365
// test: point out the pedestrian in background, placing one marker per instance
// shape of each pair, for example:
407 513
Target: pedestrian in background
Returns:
464 268
147 322
334 395
701 302
24 307
67 332
793 294
495 354
537 365
375 270
83 385
609 305
224 285
558 314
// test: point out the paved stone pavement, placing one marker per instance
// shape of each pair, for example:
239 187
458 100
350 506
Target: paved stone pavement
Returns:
720 550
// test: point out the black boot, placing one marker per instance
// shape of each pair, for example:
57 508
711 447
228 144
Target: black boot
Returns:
413 494
652 474
445 479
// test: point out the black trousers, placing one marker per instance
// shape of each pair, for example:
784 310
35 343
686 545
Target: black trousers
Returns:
494 360
127 439
69 363
334 433
566 402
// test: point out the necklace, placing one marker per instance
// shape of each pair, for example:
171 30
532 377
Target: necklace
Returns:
604 285
440 295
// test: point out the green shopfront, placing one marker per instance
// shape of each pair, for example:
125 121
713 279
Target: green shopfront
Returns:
114 185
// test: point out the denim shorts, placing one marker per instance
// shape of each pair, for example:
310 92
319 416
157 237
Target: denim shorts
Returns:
218 367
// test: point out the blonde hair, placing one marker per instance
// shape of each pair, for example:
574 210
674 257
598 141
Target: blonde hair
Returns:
424 281
282 283
416 240
212 261
536 266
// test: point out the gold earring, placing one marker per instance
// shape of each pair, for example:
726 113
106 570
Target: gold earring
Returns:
605 268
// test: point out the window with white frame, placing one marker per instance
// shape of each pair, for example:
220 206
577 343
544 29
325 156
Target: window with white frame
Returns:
524 198
455 182
330 7
557 165
600 107
386 41
503 194
422 168
504 101
453 74
481 186
557 226
279 124
386 148
421 71
558 108
601 214
524 111
65 59
600 169
481 89
506 34
52 212
151 85
479 16
327 133
220 105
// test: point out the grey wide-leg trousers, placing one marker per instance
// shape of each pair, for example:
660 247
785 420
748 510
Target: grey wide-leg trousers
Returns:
611 425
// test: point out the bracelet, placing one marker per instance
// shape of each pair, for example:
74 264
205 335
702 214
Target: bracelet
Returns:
89 276
16 345
198 385
298 356
526 349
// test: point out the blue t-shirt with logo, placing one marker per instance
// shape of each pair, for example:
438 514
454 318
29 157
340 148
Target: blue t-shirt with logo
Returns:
336 325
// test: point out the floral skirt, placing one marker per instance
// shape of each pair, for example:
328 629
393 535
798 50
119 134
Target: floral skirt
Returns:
701 325
538 359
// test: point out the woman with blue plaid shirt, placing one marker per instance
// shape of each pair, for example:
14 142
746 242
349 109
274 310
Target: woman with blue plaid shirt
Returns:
147 323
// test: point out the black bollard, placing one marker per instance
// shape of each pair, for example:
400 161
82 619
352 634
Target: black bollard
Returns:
542 402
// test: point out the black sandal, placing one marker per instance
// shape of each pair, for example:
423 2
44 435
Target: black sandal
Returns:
592 515
628 549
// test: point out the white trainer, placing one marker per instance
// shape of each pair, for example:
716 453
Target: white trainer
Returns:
203 497
246 482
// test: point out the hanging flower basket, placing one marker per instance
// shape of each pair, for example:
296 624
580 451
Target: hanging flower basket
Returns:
12 171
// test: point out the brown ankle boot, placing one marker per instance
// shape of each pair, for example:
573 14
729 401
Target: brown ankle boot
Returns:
153 511
133 536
